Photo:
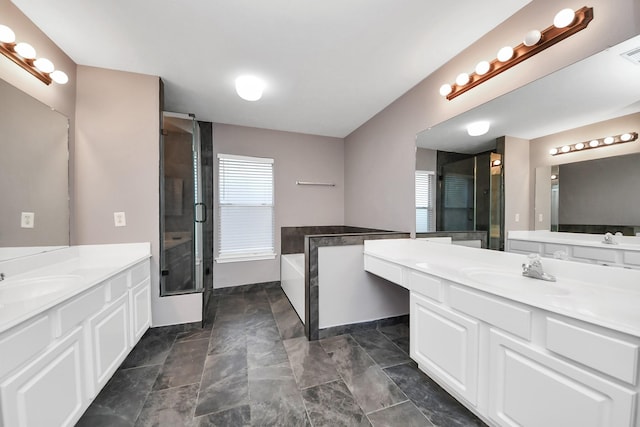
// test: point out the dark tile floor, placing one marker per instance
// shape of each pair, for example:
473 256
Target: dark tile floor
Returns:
254 367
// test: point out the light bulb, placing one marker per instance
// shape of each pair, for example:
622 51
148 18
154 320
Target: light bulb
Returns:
7 35
482 68
564 18
478 128
626 137
553 151
594 143
249 88
532 38
579 146
554 176
25 50
496 163
59 77
44 65
462 79
505 54
608 140
445 89
565 149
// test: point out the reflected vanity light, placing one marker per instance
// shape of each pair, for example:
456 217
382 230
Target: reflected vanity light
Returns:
24 55
595 143
566 23
496 162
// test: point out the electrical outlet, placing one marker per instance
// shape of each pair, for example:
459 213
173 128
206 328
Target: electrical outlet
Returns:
119 219
539 217
517 217
27 219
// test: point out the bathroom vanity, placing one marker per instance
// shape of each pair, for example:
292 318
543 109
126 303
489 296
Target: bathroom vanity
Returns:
68 319
622 251
514 350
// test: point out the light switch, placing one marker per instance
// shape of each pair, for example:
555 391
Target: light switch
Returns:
119 219
517 217
539 217
27 219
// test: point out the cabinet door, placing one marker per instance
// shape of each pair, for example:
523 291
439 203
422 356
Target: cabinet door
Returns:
49 390
445 345
534 389
110 339
140 304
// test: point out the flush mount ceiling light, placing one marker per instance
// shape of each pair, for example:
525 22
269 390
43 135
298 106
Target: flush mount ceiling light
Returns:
565 24
249 88
24 55
478 128
595 143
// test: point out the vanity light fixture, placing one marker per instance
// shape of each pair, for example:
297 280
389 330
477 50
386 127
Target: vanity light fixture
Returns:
566 23
595 143
24 55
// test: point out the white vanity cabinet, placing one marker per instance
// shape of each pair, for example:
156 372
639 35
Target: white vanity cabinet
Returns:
54 365
512 363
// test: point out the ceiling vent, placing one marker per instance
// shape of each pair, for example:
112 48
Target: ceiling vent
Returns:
633 55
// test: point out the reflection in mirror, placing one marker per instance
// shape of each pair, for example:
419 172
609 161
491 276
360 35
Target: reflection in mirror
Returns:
602 87
34 207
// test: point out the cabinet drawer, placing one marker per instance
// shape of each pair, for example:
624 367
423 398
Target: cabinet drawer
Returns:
386 270
632 258
425 285
117 287
80 308
139 272
609 355
594 254
550 249
20 345
524 246
490 309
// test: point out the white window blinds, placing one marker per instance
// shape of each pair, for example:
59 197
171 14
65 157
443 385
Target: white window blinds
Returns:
425 201
245 207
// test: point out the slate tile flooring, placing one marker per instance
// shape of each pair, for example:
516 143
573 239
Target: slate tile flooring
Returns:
254 367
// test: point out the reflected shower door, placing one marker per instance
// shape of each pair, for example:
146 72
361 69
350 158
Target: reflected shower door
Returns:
458 196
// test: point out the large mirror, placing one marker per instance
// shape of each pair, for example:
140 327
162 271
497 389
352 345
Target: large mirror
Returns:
34 171
578 102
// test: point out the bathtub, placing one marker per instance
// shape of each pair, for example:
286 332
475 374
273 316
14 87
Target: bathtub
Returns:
292 281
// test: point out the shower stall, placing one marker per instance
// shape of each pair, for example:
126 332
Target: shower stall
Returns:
184 219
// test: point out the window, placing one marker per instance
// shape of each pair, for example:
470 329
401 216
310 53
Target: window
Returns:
425 190
245 208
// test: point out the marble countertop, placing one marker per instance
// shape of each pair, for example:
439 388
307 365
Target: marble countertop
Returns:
605 296
627 243
36 283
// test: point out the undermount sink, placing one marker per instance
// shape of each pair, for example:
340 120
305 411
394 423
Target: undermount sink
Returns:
25 289
513 280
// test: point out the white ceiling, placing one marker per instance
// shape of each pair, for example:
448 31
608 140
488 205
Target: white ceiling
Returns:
329 65
601 87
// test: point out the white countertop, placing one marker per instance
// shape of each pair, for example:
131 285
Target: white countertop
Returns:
605 296
627 243
35 283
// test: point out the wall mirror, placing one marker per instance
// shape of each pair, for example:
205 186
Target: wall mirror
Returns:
34 175
602 87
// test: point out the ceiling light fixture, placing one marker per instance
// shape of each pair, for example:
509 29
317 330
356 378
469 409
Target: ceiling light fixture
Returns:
595 143
478 128
249 88
24 55
565 24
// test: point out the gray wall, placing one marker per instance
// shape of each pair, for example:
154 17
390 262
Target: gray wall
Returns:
297 157
380 155
603 191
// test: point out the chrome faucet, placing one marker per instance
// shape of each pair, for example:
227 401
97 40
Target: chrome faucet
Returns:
533 268
609 239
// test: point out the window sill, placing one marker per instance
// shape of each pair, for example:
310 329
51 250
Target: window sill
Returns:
241 258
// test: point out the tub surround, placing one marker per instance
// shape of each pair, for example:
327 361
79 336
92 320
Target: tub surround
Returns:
588 248
292 238
507 341
67 321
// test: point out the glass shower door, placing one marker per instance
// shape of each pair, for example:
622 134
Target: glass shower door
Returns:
183 211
